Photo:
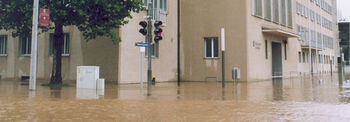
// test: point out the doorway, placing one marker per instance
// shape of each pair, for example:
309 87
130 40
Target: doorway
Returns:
276 59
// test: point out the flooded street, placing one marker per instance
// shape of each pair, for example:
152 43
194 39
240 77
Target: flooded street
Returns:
297 99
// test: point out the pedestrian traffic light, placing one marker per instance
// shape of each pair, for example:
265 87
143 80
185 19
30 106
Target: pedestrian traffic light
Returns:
158 31
143 30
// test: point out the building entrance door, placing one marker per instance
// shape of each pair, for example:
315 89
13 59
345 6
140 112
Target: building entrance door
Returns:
276 59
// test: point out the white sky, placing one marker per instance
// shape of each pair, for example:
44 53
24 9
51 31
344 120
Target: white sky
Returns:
344 8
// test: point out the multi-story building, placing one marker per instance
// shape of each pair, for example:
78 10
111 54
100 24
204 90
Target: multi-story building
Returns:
118 63
264 38
344 36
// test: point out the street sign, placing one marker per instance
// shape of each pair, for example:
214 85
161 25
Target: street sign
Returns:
142 49
141 44
44 17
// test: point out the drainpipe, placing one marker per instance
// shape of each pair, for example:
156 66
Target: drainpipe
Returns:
178 43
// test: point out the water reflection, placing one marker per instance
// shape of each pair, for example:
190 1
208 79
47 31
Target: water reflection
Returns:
320 98
277 88
89 94
55 92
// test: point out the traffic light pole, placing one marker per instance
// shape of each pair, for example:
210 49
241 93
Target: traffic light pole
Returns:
149 55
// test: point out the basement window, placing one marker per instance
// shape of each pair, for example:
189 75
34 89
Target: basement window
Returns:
211 47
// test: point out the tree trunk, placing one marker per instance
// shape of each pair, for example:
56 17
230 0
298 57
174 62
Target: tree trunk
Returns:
56 76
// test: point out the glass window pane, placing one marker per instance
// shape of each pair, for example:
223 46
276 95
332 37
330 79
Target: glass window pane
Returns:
275 11
208 50
216 47
267 9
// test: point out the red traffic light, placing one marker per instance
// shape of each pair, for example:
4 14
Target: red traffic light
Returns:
158 31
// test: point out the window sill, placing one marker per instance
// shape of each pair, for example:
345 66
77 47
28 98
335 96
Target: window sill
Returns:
211 58
26 55
3 55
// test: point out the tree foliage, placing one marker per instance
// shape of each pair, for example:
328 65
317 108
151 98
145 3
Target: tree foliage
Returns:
92 17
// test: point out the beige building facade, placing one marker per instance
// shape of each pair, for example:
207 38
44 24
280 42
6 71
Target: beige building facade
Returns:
264 38
118 63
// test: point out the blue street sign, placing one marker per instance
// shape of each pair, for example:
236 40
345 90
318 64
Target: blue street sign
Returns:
141 44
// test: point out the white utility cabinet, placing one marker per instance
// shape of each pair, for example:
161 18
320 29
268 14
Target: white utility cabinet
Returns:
87 76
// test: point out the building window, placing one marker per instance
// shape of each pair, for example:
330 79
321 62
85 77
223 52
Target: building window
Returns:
25 45
266 50
283 12
3 45
267 9
276 17
304 57
257 4
154 50
65 48
299 57
160 8
290 13
211 47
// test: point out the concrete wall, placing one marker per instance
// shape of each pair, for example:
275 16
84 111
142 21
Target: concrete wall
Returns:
200 19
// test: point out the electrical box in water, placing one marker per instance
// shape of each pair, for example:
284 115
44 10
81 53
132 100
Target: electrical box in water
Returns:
236 73
87 76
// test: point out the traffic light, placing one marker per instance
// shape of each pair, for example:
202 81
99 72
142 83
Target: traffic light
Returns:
158 31
143 30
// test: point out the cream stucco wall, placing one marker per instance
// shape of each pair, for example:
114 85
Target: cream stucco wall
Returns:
200 19
165 66
100 52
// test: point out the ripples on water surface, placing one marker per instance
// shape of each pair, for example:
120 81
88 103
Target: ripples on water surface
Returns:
323 99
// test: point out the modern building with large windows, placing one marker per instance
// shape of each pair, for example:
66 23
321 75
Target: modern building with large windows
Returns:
264 38
118 63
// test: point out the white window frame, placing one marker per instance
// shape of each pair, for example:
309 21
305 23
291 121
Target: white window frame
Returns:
3 45
66 44
212 47
27 50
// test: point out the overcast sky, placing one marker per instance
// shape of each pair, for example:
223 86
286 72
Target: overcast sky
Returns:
344 8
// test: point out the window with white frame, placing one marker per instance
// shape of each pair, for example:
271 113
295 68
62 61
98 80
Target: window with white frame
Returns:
258 7
65 45
3 45
160 8
24 45
211 47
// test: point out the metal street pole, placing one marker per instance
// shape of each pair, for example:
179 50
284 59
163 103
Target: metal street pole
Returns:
149 41
33 59
223 55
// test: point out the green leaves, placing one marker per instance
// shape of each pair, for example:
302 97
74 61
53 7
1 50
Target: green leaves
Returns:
92 17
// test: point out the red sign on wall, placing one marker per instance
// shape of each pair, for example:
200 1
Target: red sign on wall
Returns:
44 17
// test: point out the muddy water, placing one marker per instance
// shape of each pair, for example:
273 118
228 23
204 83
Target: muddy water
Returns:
300 99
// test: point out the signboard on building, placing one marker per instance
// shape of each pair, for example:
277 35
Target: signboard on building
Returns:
44 17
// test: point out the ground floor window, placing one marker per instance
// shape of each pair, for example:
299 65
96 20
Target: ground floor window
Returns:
154 50
303 57
3 44
24 45
65 48
299 57
211 47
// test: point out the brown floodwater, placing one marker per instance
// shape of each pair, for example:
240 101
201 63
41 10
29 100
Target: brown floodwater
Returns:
299 99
